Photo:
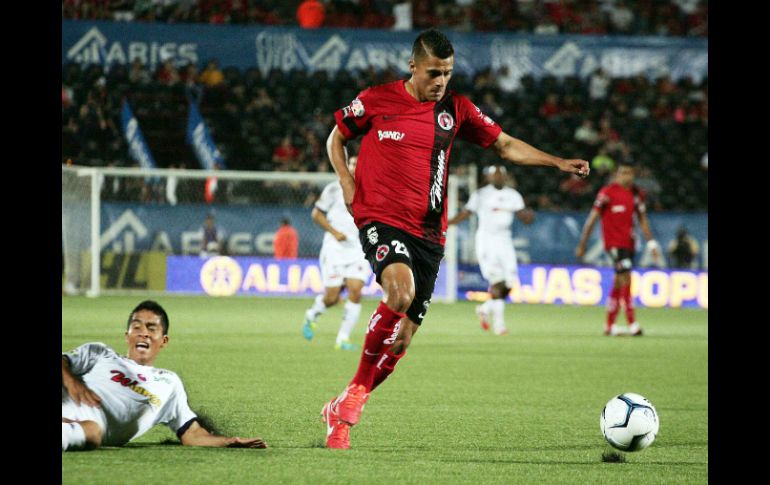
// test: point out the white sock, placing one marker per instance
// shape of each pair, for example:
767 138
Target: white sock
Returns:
72 436
317 308
484 307
349 320
498 308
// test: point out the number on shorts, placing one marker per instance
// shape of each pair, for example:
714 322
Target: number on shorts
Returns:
400 248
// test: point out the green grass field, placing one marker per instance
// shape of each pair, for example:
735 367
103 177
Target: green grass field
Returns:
464 406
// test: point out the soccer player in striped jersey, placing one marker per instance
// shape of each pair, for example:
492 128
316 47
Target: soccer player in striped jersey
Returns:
398 202
616 204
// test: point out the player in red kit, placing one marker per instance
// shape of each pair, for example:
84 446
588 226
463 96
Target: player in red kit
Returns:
616 204
398 202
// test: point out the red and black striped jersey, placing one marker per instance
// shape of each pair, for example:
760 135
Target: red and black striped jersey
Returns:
403 164
617 206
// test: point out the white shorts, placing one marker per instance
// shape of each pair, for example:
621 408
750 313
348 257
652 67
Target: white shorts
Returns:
82 412
334 272
497 260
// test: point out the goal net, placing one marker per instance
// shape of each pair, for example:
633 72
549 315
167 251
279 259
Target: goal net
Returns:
193 231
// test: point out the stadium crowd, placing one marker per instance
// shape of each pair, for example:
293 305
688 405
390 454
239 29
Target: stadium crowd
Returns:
281 121
613 17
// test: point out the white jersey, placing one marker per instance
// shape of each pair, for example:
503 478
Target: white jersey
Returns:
135 397
332 204
495 209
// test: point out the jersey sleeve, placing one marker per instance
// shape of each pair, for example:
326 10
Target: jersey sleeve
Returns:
326 200
602 200
355 119
83 358
179 415
476 127
518 201
473 203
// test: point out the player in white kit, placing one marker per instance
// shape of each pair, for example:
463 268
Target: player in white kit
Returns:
495 204
342 263
109 399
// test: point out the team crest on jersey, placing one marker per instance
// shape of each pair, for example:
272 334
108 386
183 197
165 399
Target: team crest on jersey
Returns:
355 108
382 251
446 121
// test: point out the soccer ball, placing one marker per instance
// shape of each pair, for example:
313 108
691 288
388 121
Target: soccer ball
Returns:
629 422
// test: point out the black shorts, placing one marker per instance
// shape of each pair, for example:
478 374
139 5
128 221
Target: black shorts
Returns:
384 244
622 259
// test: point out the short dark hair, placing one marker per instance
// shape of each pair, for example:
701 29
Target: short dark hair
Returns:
153 307
432 42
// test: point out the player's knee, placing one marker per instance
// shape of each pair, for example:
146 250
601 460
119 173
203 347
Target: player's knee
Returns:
330 301
355 295
399 299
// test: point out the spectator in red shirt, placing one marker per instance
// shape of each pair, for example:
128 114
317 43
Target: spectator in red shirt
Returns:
286 242
311 14
550 107
167 74
286 155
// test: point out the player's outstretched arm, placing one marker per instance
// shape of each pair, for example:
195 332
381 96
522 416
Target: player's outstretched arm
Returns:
521 153
78 391
335 147
587 229
197 435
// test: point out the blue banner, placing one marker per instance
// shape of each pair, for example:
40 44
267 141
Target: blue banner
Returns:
199 137
580 285
249 230
538 284
226 276
137 147
286 48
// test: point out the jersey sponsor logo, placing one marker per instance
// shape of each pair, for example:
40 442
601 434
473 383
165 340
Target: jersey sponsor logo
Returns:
390 135
382 251
488 120
372 235
446 121
617 208
124 381
436 191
